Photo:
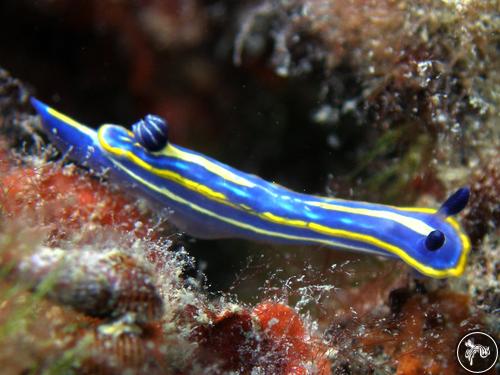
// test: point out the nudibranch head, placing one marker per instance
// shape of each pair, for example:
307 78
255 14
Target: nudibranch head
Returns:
452 206
151 132
443 251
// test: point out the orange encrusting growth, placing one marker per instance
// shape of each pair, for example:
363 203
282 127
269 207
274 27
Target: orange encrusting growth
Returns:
74 211
69 200
416 335
286 332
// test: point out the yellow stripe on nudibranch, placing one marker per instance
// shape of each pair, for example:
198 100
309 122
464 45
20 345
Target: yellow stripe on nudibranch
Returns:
175 152
423 210
466 245
163 173
221 198
167 193
69 121
423 268
414 224
340 233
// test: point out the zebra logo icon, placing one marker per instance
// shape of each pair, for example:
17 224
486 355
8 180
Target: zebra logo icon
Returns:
477 352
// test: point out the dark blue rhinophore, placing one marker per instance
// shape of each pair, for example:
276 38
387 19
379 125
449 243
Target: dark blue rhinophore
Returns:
434 240
151 132
456 202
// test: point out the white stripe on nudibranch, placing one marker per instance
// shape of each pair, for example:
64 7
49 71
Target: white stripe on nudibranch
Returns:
413 224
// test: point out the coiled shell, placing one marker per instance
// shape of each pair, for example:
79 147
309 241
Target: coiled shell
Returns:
107 284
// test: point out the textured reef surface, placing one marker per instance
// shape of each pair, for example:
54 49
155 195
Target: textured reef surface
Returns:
387 101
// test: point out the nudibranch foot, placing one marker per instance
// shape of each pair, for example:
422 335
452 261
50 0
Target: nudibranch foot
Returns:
213 200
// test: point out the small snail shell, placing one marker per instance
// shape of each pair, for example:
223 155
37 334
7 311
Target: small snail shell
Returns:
105 284
151 132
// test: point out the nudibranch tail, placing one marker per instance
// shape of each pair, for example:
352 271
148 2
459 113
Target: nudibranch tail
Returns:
62 129
76 141
210 199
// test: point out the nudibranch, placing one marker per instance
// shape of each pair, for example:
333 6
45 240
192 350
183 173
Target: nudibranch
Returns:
208 199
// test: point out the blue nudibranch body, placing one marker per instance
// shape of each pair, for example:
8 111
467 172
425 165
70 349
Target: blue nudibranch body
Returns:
209 199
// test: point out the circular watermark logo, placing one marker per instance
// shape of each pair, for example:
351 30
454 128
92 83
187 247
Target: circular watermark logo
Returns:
477 352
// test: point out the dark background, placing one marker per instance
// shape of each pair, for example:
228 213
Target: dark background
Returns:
97 64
